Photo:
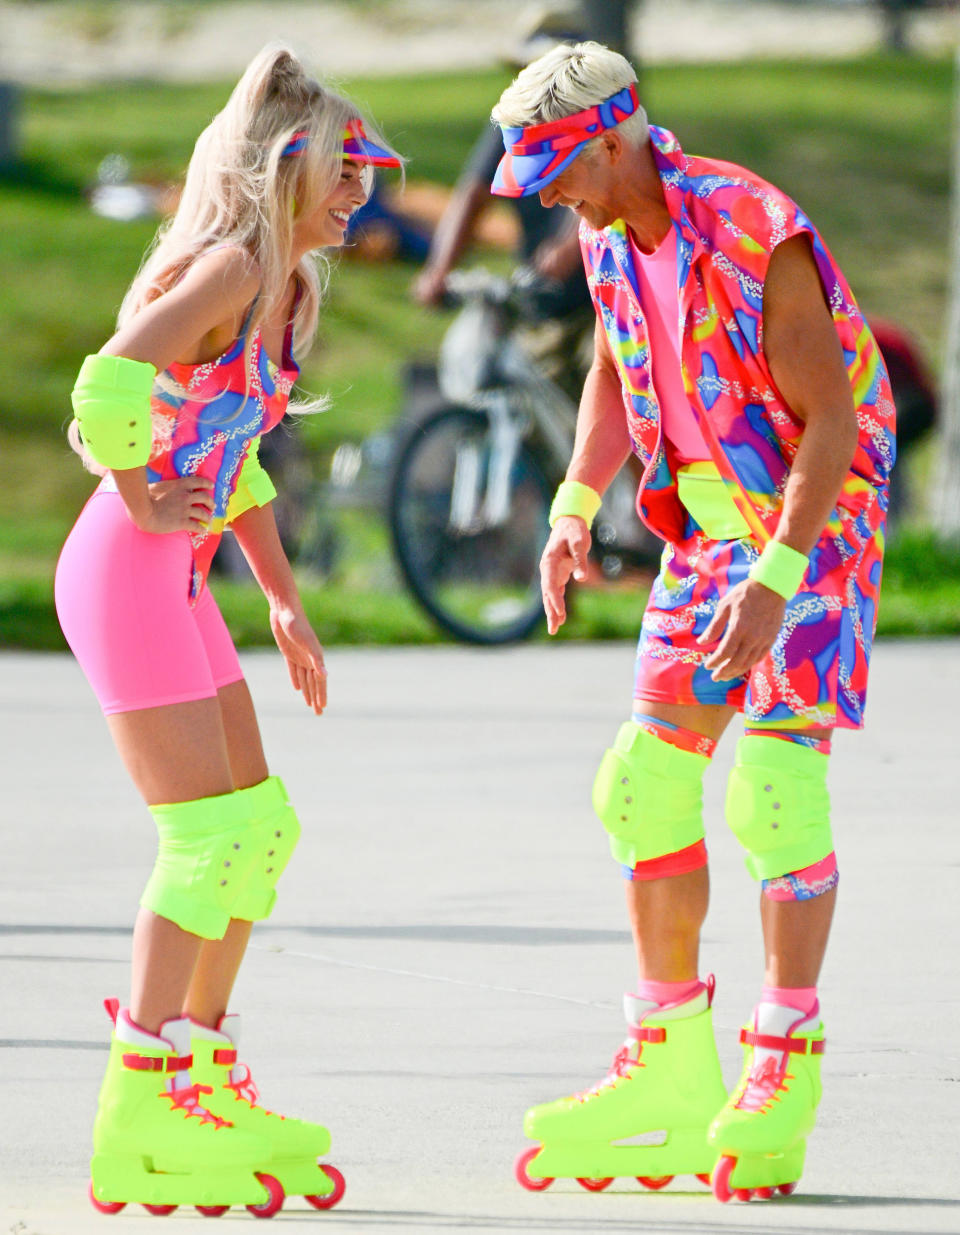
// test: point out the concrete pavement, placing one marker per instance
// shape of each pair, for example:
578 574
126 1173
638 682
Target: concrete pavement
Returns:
449 945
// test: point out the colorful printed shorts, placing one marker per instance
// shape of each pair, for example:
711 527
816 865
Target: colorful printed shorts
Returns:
814 676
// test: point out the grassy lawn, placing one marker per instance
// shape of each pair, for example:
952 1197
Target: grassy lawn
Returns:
863 146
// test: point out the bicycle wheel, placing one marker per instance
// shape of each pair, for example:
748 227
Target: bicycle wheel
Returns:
476 575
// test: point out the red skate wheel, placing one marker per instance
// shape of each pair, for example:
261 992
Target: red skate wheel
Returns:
274 1202
656 1182
720 1180
520 1171
788 1189
704 1179
159 1211
743 1194
104 1207
331 1198
763 1194
212 1211
594 1185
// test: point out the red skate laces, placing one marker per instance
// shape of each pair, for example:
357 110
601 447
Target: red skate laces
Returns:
627 1058
188 1101
245 1090
761 1086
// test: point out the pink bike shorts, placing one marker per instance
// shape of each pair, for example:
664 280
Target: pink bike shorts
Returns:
123 602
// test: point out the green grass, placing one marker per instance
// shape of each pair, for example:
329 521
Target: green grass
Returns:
863 145
920 597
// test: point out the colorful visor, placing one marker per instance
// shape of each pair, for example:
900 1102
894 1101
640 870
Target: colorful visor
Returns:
356 146
535 155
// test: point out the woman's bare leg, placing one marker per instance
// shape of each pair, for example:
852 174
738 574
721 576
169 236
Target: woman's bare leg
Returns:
175 753
219 961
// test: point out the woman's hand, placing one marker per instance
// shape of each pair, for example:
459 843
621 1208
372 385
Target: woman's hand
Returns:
565 555
181 505
304 656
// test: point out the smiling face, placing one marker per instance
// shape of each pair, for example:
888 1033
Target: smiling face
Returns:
326 224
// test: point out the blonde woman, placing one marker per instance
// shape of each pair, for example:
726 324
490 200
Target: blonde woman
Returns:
169 413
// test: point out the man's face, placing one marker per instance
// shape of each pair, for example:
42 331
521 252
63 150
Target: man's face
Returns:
586 186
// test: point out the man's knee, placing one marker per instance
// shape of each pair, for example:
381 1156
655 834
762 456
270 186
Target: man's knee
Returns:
220 858
648 794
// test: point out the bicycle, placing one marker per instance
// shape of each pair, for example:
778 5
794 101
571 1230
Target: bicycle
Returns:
473 479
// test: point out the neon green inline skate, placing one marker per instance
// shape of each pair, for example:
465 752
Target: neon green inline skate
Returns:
295 1143
156 1143
761 1132
648 1117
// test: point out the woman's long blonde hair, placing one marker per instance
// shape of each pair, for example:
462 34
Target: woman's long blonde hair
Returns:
242 190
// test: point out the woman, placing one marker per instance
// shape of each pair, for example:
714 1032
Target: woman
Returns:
169 413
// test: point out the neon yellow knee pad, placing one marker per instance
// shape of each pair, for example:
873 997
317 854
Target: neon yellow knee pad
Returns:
778 806
649 796
219 858
278 831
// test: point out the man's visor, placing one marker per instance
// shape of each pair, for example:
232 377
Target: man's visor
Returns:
537 154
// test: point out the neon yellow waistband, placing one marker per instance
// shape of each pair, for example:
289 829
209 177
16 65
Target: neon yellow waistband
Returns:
703 492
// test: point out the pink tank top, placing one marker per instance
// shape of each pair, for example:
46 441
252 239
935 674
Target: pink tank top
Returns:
660 300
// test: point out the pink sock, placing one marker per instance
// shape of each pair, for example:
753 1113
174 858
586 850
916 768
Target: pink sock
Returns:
803 998
668 992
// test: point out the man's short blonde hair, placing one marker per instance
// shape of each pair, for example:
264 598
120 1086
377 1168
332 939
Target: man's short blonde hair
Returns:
568 79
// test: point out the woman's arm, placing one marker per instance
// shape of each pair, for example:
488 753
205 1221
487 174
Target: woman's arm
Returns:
256 533
601 446
184 324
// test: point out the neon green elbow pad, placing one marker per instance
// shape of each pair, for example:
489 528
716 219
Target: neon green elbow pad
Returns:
778 806
111 402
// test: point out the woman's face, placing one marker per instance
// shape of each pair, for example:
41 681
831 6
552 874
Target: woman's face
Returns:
326 225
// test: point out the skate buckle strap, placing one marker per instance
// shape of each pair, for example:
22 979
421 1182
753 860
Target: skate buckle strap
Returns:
770 1042
157 1063
226 1057
647 1033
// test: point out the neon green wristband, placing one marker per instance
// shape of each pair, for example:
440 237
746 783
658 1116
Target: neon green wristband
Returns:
111 402
573 498
779 568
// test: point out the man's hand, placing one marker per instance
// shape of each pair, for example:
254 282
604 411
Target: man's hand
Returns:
564 556
749 619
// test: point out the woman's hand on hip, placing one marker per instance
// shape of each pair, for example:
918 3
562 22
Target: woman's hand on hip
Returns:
301 649
181 505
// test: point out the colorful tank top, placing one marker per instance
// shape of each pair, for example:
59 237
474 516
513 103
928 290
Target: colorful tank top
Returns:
212 430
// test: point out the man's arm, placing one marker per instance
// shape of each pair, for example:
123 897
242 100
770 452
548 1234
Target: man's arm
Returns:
601 445
806 361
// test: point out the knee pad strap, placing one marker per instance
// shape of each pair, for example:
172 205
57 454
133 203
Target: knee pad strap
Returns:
648 795
211 851
778 806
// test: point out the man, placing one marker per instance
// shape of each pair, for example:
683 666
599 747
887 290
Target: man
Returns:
732 359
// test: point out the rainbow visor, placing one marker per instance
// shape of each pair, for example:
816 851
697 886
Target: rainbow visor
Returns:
358 147
535 155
